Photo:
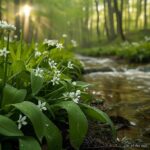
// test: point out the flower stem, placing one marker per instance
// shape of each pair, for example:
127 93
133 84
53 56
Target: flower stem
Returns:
6 61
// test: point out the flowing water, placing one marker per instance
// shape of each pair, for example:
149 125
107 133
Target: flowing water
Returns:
126 91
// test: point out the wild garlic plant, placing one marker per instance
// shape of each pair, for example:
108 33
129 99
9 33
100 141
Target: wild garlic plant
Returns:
37 85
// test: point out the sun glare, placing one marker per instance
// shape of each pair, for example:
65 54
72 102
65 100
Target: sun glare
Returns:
27 10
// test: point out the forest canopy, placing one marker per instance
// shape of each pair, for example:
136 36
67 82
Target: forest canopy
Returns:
86 21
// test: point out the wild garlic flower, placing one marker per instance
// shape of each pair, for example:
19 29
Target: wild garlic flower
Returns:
4 52
5 25
52 63
74 43
21 121
75 96
64 35
39 72
56 78
50 42
59 46
37 53
15 36
70 65
74 83
41 105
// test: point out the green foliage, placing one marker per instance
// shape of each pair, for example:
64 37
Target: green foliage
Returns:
132 52
77 123
28 143
8 127
39 90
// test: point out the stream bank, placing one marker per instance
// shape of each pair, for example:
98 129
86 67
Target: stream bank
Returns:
125 90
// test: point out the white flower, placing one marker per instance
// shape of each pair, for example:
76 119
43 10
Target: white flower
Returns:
59 46
37 53
75 96
38 72
4 52
52 63
70 65
74 43
74 83
50 42
21 121
41 105
56 78
5 25
15 36
64 35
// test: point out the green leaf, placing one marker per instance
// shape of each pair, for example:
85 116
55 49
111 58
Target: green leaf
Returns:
9 127
36 83
78 124
34 114
28 143
99 115
52 135
18 66
12 95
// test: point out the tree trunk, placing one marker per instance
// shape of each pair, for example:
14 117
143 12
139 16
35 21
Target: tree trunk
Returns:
138 13
111 19
98 19
145 14
17 18
119 19
105 20
0 9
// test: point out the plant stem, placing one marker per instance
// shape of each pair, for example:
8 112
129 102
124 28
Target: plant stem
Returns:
6 61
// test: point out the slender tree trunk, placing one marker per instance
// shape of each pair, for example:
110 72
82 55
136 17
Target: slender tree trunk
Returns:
98 19
145 14
17 18
0 9
105 21
119 19
138 12
129 16
111 19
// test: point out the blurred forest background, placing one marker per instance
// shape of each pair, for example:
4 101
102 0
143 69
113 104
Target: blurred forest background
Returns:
89 22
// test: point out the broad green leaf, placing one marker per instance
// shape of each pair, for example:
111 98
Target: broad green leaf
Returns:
18 66
99 115
78 124
9 127
28 143
36 83
34 114
12 95
52 135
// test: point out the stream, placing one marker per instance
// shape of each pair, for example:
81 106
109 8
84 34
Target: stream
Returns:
126 91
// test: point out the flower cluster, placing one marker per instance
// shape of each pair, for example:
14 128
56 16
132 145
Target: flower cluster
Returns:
56 78
37 53
52 64
59 46
70 65
75 96
53 43
5 25
4 52
74 43
50 42
39 72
